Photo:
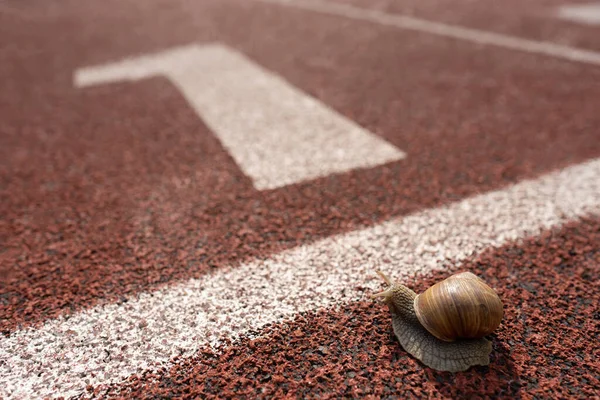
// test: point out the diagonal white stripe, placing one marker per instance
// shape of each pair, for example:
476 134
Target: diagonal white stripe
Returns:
441 29
108 343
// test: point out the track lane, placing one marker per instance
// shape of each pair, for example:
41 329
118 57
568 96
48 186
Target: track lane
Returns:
105 344
478 36
98 212
109 223
545 346
536 19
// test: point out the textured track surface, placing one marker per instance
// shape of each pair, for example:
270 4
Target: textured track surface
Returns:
545 347
120 196
537 19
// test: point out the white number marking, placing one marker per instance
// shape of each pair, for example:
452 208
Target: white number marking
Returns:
277 134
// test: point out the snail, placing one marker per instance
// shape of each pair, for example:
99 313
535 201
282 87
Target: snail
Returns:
444 327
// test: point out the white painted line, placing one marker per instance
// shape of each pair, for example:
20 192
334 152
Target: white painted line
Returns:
437 28
588 14
105 344
277 134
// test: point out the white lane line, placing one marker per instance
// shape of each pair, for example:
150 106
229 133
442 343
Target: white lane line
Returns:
277 134
588 14
437 28
105 344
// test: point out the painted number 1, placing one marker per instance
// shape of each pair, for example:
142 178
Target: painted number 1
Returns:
277 134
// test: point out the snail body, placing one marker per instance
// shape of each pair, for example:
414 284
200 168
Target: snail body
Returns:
444 327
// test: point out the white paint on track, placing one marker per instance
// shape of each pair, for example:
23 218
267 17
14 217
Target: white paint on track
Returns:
436 28
277 134
588 14
108 343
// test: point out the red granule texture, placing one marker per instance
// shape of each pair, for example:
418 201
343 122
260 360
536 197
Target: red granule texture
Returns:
532 19
114 190
546 346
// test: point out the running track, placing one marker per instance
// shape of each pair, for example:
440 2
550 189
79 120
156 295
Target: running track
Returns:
196 194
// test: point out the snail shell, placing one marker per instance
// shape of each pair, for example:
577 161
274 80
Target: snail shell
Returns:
460 306
475 309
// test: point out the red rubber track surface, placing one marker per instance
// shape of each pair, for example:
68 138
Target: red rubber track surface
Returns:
107 188
120 189
535 19
544 348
